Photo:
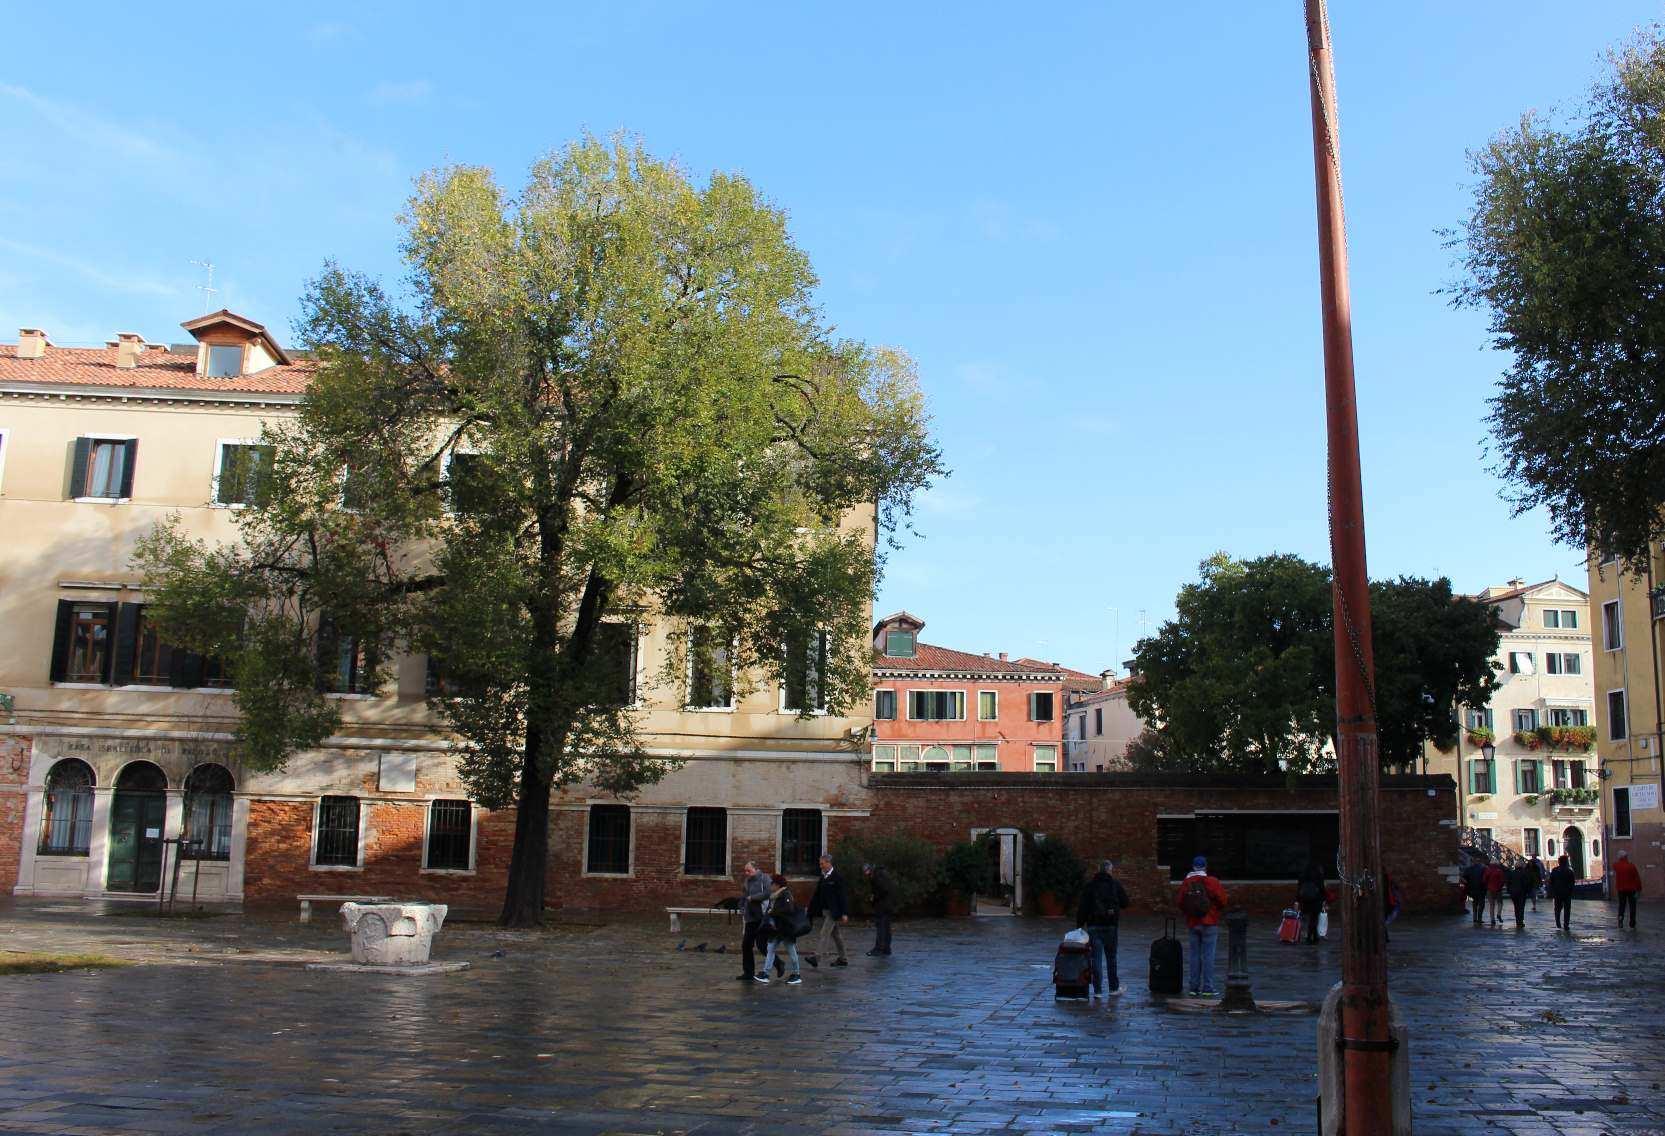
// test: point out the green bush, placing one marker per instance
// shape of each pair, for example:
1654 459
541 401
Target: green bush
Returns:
913 865
969 867
1052 865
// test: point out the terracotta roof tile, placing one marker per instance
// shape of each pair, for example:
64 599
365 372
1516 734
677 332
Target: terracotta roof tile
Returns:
929 658
157 369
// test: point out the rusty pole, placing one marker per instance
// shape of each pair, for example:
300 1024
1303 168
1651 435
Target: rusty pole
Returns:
1365 1037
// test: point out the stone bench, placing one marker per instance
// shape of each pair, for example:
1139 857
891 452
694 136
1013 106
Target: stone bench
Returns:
308 900
676 913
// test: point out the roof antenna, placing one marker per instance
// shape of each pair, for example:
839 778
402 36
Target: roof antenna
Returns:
207 289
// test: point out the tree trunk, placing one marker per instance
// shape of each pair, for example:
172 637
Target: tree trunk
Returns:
529 863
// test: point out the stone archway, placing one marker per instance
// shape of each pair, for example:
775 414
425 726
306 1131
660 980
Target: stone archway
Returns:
138 814
1572 845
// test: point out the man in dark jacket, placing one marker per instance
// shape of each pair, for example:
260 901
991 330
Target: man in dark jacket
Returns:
1539 875
1474 880
884 899
755 891
1561 881
1521 883
831 904
1100 915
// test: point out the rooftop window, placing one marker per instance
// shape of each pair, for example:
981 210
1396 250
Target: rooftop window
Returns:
899 644
225 360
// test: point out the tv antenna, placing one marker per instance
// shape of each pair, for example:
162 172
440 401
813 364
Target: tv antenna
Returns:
207 289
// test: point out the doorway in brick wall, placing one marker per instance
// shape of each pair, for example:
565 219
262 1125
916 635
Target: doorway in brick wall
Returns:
1008 844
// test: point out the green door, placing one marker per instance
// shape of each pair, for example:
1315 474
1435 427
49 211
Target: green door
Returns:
136 841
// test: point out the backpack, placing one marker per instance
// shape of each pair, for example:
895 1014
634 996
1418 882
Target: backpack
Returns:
1104 908
1196 902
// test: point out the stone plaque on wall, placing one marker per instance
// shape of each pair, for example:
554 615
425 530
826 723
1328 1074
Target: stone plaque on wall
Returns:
397 773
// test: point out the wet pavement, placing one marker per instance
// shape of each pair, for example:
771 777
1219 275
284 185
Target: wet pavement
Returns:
609 1029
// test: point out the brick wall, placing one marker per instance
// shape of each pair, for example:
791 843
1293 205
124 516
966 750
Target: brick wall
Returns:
1114 816
14 774
278 863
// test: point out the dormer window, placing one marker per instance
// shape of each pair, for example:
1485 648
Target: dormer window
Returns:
899 644
225 360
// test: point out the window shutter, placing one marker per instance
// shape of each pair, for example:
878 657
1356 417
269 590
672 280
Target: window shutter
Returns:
1518 782
60 641
127 642
185 669
79 455
130 455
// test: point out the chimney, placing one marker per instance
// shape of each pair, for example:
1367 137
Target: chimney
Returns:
31 343
1003 656
1517 582
1108 677
128 347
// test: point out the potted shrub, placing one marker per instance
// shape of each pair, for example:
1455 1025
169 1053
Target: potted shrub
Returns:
1479 736
968 868
1054 874
912 863
1528 739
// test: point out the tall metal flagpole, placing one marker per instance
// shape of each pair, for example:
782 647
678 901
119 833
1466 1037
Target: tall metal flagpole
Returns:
1366 1041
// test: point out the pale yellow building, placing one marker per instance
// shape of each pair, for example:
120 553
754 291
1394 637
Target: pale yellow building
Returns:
1626 610
1537 795
118 744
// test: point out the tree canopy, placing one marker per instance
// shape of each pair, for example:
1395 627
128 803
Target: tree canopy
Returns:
606 398
1243 678
1565 249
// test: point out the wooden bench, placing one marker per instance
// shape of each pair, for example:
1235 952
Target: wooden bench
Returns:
308 900
676 913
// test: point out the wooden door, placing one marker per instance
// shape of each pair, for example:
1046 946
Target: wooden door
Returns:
136 841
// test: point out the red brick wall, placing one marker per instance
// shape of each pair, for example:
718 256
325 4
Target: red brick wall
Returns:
278 862
1114 816
14 774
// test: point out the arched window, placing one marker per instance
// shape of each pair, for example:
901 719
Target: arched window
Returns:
141 777
67 827
208 812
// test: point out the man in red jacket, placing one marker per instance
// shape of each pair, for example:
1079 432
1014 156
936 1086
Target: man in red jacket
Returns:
1495 879
1627 882
1201 898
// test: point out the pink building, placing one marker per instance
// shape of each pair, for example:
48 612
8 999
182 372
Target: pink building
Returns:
940 710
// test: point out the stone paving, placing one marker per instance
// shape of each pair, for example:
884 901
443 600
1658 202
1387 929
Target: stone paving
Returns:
609 1029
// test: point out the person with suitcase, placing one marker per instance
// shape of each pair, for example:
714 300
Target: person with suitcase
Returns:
1100 916
1310 894
1072 967
1167 962
1201 898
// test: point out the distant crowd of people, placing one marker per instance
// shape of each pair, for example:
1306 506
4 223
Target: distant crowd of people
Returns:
1524 881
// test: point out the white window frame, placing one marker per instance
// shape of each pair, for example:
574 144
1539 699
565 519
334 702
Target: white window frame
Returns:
1540 833
932 690
894 698
1552 619
688 683
682 843
1527 710
1053 694
473 836
106 438
1034 759
995 694
317 810
1629 814
1523 663
220 444
208 355
893 759
1618 625
1624 696
1565 612
584 845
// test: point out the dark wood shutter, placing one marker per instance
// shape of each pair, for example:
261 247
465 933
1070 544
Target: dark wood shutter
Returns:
185 669
126 643
130 457
60 640
79 455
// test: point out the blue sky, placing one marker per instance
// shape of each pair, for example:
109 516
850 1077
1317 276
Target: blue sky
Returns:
1092 224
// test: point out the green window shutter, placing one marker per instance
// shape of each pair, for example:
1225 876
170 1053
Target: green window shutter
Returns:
129 459
127 642
80 454
60 641
1517 776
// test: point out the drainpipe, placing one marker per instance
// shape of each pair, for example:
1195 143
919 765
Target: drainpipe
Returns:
1658 717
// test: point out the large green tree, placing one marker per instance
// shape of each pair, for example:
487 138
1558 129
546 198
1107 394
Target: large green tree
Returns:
605 398
1565 249
1243 678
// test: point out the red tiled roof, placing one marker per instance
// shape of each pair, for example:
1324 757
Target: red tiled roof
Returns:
157 369
1073 679
929 658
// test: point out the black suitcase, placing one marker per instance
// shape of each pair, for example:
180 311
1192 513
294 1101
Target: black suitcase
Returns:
1167 963
1072 970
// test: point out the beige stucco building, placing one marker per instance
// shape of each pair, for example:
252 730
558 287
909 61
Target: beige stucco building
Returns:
1098 727
1537 796
114 745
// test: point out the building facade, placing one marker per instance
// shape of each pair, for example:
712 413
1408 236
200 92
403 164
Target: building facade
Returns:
937 710
1537 794
1098 727
114 747
1626 608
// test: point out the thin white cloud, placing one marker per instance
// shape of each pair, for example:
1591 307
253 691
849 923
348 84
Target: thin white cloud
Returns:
112 139
114 277
388 92
329 33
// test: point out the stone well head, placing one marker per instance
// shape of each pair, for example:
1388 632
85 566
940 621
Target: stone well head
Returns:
392 934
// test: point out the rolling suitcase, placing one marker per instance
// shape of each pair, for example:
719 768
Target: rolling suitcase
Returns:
1072 970
1167 963
1289 931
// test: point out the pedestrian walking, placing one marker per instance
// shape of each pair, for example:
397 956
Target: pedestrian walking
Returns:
780 927
1201 898
1310 895
1495 881
1627 883
1561 882
1539 875
1393 901
1521 884
831 904
884 899
1474 880
754 893
1100 916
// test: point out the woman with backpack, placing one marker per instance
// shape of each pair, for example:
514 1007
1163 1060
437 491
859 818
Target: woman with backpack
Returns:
1309 895
781 923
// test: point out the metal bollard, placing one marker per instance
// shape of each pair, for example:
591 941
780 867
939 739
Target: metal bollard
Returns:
1238 998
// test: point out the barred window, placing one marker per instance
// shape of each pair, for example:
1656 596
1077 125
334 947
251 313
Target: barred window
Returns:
609 841
450 832
67 830
705 843
800 842
208 803
337 832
